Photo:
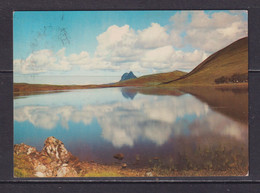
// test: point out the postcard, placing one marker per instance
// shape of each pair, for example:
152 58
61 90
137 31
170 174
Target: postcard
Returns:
130 93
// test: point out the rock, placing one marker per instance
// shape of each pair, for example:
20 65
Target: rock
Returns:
127 76
124 165
40 174
149 174
24 149
40 168
53 161
119 156
66 171
56 150
156 158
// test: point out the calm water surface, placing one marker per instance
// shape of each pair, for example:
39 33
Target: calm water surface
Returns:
168 128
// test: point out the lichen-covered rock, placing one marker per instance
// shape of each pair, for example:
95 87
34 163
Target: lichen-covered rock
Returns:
56 150
53 161
24 149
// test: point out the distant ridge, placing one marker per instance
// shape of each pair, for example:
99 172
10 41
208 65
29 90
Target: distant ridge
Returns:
128 76
152 79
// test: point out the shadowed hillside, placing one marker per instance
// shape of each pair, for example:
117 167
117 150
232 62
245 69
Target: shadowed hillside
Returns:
228 65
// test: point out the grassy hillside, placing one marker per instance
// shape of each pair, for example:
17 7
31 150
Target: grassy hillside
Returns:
225 65
152 80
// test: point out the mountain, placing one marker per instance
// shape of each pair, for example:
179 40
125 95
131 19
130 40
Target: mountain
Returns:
153 79
128 76
228 65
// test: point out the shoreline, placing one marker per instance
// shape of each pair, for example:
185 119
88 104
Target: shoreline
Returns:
20 89
54 160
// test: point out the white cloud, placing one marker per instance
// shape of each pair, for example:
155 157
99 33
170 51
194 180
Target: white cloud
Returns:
208 32
42 61
154 36
79 59
158 58
154 49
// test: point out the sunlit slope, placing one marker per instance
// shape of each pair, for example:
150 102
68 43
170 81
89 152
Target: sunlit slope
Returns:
228 61
153 79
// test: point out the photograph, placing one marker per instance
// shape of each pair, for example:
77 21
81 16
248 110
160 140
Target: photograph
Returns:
123 93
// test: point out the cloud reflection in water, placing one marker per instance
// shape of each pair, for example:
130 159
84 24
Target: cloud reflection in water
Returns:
152 118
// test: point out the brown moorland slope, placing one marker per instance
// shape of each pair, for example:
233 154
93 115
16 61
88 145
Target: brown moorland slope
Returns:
152 79
226 65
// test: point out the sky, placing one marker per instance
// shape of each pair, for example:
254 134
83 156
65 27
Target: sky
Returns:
94 47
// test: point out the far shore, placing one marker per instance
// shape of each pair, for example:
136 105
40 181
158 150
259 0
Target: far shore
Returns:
24 88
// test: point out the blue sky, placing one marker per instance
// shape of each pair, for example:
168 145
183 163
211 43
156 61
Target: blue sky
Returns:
98 46
41 29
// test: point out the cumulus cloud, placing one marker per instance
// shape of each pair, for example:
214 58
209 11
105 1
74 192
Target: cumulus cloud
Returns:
153 37
46 60
208 32
153 49
146 50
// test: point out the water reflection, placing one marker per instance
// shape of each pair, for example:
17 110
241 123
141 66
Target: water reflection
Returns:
151 118
128 93
232 102
171 125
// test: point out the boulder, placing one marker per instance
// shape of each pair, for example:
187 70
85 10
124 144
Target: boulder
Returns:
124 165
119 156
56 150
24 149
66 171
53 161
149 174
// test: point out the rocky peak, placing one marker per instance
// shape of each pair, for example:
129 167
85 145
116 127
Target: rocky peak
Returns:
127 76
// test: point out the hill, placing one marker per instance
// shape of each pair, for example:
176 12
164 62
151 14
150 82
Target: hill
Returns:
152 80
228 65
128 76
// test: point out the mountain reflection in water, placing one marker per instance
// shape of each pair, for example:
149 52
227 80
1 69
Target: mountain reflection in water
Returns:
201 130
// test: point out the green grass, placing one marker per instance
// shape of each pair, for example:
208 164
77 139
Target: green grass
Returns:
22 173
22 167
